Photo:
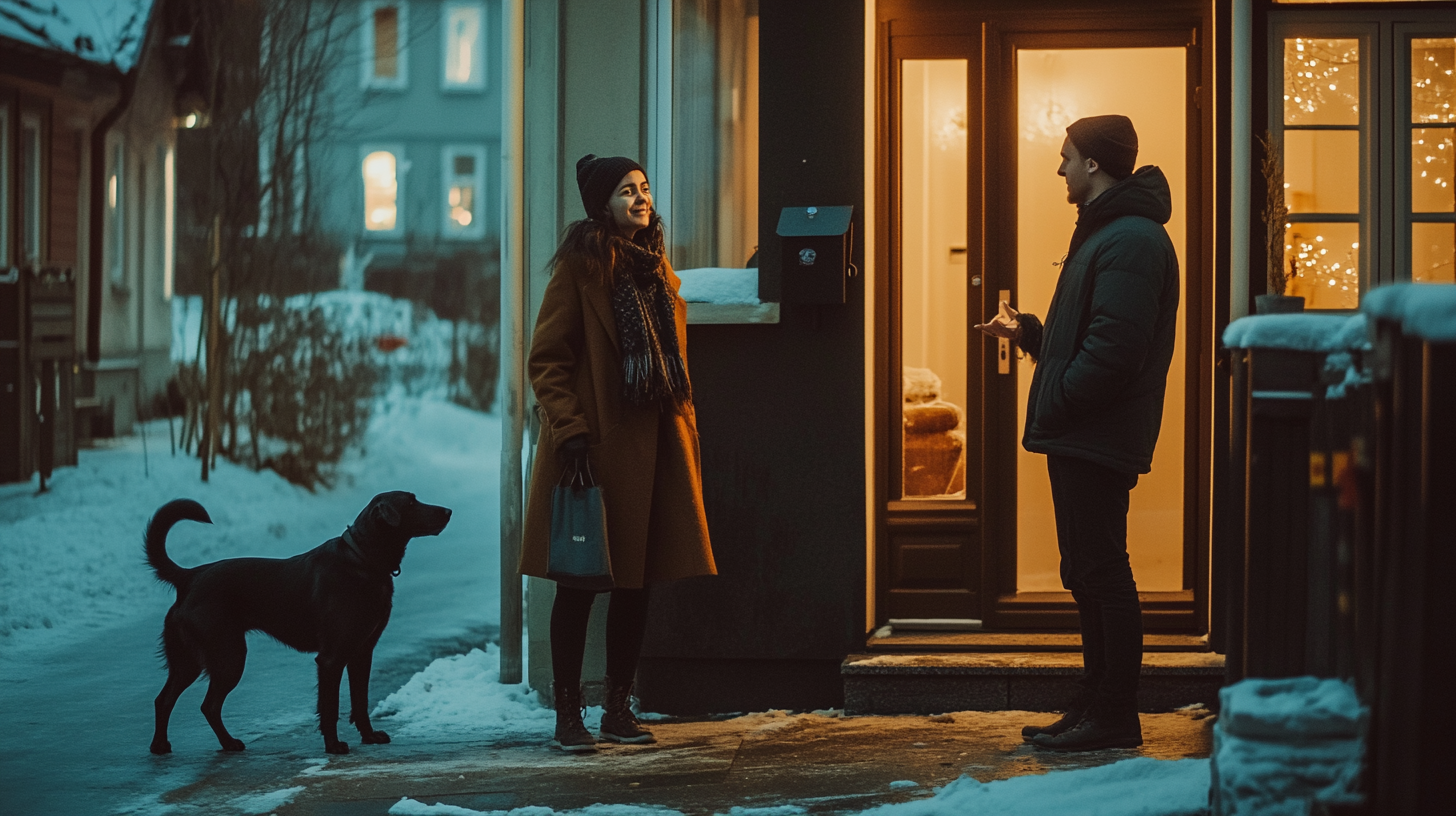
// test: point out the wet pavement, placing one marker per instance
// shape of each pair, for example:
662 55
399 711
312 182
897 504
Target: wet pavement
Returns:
824 764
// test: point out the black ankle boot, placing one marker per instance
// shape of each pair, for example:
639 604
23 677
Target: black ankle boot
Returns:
1075 711
1108 723
571 734
618 722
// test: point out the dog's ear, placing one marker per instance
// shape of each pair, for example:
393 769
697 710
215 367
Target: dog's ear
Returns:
388 513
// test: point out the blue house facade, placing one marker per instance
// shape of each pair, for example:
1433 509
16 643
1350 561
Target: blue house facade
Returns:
409 179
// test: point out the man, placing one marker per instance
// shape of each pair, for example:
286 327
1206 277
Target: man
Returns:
1095 407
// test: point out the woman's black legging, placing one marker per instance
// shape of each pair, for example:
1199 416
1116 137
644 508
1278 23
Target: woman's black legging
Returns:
626 624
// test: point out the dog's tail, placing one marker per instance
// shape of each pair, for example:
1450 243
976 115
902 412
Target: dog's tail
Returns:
166 516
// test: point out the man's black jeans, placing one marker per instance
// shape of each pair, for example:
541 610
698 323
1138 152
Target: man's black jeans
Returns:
1091 509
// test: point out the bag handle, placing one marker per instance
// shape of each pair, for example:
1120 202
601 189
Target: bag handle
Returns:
575 477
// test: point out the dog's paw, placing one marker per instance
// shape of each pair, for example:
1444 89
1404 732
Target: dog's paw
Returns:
231 744
336 747
374 738
161 747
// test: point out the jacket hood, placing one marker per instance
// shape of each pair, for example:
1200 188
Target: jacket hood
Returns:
1143 193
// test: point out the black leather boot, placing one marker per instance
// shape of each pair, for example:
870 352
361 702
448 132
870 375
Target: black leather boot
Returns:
571 734
1075 710
618 722
1108 723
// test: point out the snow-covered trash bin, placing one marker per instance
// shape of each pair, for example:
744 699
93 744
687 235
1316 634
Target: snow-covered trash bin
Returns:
1287 573
1282 746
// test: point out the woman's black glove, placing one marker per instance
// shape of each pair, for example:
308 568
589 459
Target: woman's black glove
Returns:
572 452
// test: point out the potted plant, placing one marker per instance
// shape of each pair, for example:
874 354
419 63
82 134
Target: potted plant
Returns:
1274 215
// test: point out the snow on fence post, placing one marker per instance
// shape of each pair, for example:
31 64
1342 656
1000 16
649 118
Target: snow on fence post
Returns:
1280 746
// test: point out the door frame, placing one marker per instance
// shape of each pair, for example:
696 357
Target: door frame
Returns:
999 29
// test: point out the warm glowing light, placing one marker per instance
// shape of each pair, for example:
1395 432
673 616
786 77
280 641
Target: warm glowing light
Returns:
461 65
381 190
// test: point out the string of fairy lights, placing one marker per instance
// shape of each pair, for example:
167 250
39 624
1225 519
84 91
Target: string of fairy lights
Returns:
1321 87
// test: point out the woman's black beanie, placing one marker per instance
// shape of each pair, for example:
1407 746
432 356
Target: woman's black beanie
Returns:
1109 140
597 178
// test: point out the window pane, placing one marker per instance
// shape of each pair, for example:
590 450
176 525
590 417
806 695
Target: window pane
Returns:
1321 171
1323 262
462 59
462 205
386 42
933 276
30 180
1433 253
714 155
1321 82
1433 158
381 188
1433 84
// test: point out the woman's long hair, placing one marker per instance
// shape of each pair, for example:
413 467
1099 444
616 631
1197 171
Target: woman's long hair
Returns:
595 242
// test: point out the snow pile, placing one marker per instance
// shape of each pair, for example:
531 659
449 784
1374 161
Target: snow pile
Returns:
713 284
1280 745
1424 310
1306 331
463 695
1342 372
71 559
1132 787
260 803
413 348
107 32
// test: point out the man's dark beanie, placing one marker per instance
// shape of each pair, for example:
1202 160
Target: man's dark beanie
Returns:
597 178
1109 140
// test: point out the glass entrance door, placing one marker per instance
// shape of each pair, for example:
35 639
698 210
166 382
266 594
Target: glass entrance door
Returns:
1054 88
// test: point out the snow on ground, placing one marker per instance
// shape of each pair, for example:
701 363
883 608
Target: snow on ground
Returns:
72 557
1132 787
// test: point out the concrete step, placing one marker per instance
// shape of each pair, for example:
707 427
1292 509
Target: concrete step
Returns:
934 683
898 640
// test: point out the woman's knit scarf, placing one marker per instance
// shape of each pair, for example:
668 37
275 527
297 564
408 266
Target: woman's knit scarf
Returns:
646 311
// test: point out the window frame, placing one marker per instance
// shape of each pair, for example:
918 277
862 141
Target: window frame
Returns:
1372 272
401 167
1405 216
116 241
33 189
476 229
477 85
368 80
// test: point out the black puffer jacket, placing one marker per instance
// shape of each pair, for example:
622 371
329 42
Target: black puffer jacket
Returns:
1103 352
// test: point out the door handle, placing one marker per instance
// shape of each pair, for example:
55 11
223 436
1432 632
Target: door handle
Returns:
1003 345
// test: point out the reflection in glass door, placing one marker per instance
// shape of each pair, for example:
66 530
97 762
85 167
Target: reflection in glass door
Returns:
933 278
1055 88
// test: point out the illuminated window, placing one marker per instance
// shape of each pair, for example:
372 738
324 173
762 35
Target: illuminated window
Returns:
1322 156
706 181
464 29
385 32
31 197
1432 212
115 212
169 218
1359 217
381 191
464 176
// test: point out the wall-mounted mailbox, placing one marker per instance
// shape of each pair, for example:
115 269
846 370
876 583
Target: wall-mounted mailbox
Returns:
815 253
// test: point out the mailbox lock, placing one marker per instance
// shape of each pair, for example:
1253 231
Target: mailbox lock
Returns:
976 280
813 211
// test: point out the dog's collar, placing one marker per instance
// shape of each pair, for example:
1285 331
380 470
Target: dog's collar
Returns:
359 552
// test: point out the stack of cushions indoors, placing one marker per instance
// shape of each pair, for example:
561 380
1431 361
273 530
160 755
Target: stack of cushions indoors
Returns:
933 441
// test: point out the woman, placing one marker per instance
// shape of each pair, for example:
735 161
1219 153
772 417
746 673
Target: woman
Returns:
609 368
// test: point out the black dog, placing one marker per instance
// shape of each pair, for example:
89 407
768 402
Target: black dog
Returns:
334 599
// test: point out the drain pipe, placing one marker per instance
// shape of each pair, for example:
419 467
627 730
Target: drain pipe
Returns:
513 343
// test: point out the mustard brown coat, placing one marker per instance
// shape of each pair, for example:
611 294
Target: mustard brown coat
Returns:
645 459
